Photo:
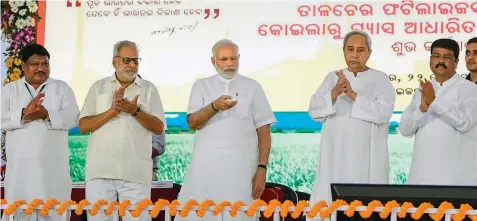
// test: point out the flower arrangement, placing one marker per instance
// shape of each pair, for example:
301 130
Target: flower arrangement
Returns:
320 209
19 19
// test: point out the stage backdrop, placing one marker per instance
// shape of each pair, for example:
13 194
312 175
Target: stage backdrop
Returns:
287 46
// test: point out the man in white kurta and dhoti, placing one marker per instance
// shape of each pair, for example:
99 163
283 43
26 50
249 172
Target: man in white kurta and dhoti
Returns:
121 112
442 118
37 113
355 105
232 117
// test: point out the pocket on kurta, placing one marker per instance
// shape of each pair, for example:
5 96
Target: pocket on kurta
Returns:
103 102
242 109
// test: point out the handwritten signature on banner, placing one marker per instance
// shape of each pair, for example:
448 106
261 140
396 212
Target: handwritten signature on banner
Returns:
172 30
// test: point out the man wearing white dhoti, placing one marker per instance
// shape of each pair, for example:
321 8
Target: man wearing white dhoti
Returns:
232 117
121 112
355 105
442 118
37 113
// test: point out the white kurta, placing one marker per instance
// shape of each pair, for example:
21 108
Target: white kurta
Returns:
354 145
225 152
444 143
37 152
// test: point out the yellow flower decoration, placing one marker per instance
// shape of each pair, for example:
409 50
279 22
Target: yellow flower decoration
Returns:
17 71
17 62
9 62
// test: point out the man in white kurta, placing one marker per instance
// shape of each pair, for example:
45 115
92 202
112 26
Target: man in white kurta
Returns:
231 147
355 123
121 112
442 119
37 146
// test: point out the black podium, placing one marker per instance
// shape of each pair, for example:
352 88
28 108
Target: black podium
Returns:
416 194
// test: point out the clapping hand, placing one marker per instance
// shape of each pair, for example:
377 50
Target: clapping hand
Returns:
35 110
427 91
127 106
118 95
340 86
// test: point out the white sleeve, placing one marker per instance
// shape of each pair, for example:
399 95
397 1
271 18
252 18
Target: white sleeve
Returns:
157 110
462 118
89 108
67 116
321 105
412 118
11 119
261 111
196 99
378 109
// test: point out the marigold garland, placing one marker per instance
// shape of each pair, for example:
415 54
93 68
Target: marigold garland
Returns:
299 209
235 207
219 208
122 207
272 205
32 206
111 207
50 203
252 210
158 207
187 207
388 208
320 208
316 209
141 207
285 208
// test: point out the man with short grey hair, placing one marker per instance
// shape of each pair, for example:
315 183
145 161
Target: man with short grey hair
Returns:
231 116
121 112
355 105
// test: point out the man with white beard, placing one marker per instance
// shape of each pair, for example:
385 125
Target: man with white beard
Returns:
232 117
121 112
355 105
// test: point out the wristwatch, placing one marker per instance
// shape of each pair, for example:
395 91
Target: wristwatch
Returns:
137 111
262 166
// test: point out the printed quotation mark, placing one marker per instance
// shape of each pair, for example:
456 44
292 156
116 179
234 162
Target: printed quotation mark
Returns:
216 13
69 3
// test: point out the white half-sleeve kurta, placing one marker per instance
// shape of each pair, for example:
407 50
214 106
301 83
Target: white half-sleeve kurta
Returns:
354 145
225 152
444 136
121 149
37 152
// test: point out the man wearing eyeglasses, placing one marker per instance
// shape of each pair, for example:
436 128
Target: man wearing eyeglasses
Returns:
37 113
442 118
121 112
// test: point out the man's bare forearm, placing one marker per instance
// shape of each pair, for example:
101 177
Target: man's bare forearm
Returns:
90 124
264 144
150 122
198 119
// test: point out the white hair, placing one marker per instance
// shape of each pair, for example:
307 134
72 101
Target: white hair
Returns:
358 32
121 44
222 43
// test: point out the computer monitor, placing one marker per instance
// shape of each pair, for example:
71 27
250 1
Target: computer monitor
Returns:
416 194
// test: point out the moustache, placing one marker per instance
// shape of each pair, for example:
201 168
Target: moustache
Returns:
441 65
229 69
40 72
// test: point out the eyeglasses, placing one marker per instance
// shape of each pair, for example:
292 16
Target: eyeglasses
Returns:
127 60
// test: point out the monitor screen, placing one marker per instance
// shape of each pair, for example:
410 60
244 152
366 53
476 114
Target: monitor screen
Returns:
416 194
